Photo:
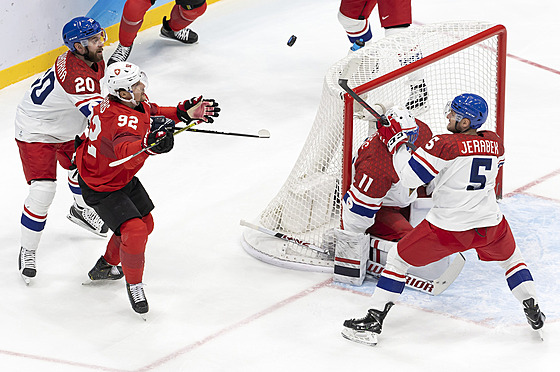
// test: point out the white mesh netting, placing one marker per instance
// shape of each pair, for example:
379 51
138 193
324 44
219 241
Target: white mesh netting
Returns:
308 204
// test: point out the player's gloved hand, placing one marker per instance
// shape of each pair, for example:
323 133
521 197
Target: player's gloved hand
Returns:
163 140
161 123
391 133
198 109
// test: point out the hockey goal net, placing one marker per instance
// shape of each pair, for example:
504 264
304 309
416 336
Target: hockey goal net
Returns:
421 68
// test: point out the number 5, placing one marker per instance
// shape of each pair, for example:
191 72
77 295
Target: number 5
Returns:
476 177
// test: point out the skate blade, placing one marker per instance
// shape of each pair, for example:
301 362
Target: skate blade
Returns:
144 316
84 226
361 337
26 279
540 333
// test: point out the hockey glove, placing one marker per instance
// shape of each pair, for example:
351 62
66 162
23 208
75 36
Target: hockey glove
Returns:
198 109
158 141
391 134
161 123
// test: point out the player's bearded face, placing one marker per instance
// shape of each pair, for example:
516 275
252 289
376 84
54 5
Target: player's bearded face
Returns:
451 126
95 47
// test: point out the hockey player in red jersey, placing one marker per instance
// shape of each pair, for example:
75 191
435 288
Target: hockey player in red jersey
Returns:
463 167
182 15
124 123
52 112
377 204
353 15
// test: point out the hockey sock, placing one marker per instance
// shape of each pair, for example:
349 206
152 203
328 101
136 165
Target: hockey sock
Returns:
355 28
392 281
149 221
518 277
134 236
75 188
112 253
181 17
131 20
35 209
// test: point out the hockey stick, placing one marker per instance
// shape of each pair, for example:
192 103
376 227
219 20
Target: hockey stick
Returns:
283 237
263 133
124 160
431 287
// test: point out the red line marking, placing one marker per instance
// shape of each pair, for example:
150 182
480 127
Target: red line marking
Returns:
540 180
60 361
235 326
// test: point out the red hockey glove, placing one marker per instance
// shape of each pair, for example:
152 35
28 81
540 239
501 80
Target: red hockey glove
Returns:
198 109
391 134
163 140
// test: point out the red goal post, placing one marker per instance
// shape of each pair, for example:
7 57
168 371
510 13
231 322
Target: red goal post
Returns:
421 68
497 31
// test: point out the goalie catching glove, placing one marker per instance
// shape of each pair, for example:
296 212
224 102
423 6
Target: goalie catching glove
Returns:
158 141
198 109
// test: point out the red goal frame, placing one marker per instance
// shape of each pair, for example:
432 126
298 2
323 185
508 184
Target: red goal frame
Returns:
498 30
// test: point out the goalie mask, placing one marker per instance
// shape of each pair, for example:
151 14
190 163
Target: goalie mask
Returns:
124 76
406 120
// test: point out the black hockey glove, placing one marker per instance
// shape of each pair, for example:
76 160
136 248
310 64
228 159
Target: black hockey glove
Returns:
163 140
198 109
161 123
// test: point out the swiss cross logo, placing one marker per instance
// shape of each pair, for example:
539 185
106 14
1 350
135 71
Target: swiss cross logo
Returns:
117 71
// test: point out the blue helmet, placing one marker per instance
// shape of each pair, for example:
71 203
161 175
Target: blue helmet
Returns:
79 30
472 107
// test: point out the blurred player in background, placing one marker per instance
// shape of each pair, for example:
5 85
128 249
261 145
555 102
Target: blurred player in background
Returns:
353 15
52 112
120 126
463 166
182 15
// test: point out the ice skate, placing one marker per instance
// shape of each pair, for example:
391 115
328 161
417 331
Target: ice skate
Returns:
27 266
534 316
185 35
104 271
120 54
366 329
88 219
138 299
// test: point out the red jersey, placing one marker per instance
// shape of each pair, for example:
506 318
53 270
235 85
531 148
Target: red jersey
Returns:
376 183
115 131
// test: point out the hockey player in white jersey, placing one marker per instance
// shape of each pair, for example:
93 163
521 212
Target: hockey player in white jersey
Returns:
53 111
463 167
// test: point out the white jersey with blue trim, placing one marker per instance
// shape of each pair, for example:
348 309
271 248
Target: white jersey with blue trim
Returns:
462 170
57 106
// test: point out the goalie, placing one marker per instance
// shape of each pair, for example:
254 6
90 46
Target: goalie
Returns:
376 209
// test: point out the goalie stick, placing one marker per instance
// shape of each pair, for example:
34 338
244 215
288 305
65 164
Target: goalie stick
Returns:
283 237
124 160
263 133
431 287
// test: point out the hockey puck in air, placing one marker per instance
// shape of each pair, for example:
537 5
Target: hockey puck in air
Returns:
292 40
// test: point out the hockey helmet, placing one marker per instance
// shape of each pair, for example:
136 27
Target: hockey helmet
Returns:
406 120
470 106
122 76
79 30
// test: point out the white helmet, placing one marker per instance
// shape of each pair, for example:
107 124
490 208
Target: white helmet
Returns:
406 120
122 76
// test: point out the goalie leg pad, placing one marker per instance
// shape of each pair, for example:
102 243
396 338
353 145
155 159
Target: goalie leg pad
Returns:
351 254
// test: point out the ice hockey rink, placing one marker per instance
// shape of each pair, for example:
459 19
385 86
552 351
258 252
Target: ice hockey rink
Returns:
215 308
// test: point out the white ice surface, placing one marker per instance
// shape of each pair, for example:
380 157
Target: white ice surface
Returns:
215 308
